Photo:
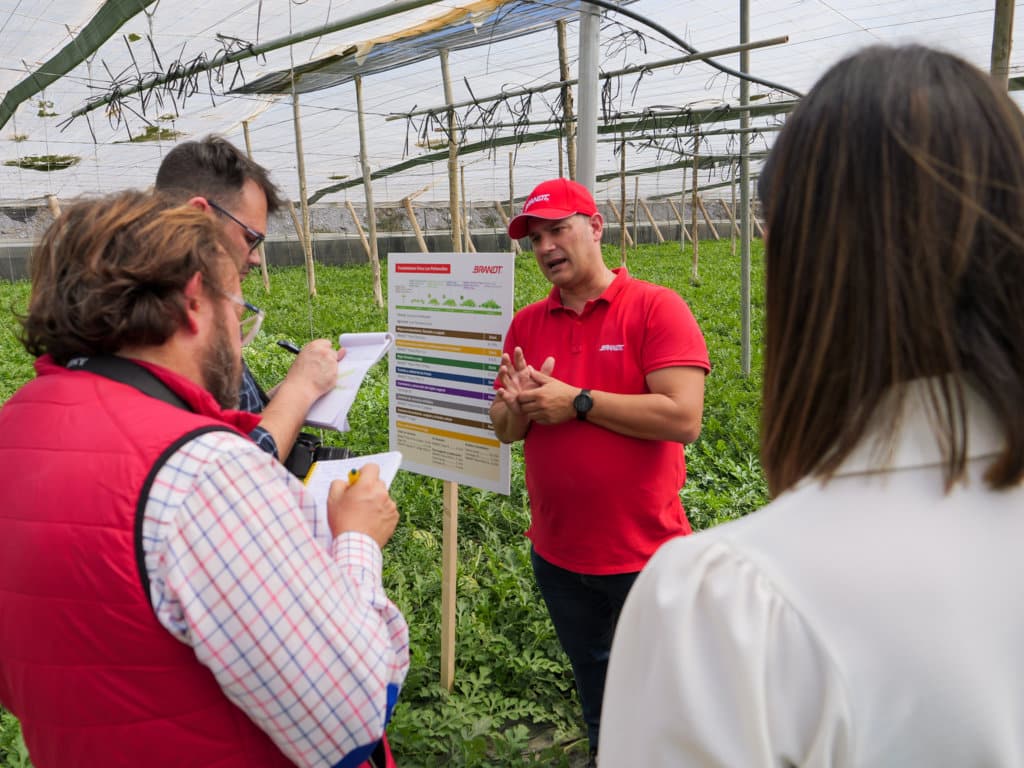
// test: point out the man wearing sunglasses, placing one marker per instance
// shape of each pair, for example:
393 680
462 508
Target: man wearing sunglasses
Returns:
213 175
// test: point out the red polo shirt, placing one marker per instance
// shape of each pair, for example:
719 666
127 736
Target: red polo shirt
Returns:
602 502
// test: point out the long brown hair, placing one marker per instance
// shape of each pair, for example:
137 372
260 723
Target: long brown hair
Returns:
109 273
895 251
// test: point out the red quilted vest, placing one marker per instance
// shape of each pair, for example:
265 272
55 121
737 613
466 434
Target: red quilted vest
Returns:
84 664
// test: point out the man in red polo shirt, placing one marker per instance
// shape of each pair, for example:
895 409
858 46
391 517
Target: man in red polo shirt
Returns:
604 381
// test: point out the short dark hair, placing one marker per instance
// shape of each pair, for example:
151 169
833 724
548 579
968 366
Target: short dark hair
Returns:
110 272
895 251
215 168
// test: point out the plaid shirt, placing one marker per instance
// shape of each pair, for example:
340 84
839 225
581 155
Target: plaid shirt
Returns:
294 625
250 399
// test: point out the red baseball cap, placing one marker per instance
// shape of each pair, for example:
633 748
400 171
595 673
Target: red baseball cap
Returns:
552 200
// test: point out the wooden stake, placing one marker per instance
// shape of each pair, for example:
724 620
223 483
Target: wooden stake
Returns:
694 229
735 231
371 213
262 250
470 248
407 202
733 226
753 218
618 218
303 200
683 234
504 220
359 227
707 218
298 226
636 209
449 572
650 218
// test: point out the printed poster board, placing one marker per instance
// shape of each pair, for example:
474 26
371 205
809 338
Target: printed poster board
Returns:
448 314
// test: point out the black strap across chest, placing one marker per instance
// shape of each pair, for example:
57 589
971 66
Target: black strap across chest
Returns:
134 375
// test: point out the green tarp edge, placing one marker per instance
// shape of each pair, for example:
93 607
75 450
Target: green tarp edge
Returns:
101 27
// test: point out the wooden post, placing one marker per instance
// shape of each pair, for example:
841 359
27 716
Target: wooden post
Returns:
470 248
449 571
298 226
511 189
1002 42
623 229
453 156
618 218
694 228
450 514
407 202
707 218
636 209
568 119
683 234
371 213
303 201
650 218
262 250
735 231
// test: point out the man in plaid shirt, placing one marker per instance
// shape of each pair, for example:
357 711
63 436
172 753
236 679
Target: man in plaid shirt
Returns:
168 594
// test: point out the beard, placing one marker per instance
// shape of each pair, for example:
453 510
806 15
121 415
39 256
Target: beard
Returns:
221 367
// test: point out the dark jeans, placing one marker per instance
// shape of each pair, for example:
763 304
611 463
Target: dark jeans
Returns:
584 610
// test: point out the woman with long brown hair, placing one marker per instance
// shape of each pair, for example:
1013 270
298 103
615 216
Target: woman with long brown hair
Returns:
873 613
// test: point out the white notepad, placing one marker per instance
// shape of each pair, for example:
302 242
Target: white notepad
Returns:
362 351
323 473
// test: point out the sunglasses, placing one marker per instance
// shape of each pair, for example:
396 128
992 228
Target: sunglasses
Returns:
252 317
252 237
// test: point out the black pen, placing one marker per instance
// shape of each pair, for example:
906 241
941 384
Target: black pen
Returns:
288 345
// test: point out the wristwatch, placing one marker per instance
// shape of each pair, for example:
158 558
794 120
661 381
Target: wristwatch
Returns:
583 402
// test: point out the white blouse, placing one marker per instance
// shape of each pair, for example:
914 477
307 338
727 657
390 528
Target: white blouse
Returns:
869 621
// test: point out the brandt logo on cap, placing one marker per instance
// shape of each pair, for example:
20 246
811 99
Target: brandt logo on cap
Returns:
537 199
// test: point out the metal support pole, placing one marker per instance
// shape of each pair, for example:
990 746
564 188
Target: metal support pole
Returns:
589 96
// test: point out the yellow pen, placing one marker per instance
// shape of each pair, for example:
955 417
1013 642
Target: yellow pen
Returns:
353 475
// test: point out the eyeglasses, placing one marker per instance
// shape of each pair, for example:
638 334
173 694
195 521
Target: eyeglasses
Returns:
252 237
251 320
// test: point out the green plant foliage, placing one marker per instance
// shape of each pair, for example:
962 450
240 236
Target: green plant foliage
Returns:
514 702
153 133
13 752
44 162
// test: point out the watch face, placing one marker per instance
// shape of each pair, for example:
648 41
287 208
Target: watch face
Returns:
582 403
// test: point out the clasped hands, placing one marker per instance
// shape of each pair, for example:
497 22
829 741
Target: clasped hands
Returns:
534 394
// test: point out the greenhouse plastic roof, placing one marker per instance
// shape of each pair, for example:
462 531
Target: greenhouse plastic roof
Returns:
120 144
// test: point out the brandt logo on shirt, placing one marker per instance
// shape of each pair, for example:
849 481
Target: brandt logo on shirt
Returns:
612 347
